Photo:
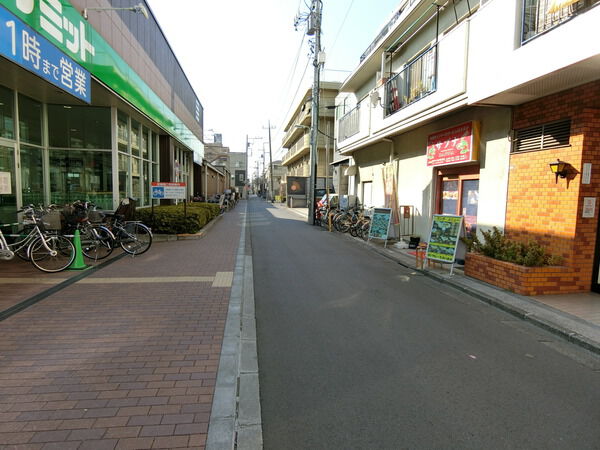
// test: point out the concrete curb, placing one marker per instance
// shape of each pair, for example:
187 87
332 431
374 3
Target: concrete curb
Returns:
235 420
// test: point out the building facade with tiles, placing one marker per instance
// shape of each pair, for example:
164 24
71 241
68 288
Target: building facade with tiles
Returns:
460 109
93 105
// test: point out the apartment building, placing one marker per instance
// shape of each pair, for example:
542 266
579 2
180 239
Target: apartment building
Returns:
93 105
297 137
545 65
459 107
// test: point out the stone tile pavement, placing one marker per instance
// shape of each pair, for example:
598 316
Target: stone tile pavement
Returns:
125 358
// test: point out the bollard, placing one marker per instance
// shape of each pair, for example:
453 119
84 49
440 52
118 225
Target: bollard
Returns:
78 263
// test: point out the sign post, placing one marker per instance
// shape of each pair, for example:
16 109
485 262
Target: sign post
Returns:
443 238
380 224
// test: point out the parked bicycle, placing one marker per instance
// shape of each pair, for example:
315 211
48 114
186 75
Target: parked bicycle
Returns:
97 241
48 252
132 236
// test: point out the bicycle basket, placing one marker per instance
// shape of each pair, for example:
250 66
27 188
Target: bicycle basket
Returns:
95 216
52 220
72 215
126 209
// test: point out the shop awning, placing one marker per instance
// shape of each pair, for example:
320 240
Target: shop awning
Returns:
351 171
340 161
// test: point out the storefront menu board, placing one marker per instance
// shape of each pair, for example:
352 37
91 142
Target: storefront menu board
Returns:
5 183
380 223
454 145
443 238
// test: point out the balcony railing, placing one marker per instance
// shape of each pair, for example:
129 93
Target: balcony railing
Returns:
416 80
540 16
349 124
302 143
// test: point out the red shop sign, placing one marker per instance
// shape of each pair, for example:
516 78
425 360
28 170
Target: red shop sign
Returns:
454 145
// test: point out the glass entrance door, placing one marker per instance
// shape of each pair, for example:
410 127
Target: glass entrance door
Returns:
460 196
8 192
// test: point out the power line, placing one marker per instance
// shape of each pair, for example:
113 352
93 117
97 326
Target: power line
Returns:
342 25
293 98
295 66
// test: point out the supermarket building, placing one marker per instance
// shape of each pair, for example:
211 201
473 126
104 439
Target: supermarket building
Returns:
92 109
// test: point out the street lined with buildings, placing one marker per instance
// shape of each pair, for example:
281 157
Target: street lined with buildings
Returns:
467 131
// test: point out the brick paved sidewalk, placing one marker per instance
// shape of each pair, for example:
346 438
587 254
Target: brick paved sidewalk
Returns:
126 358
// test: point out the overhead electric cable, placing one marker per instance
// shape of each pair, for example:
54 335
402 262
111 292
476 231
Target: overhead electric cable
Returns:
342 25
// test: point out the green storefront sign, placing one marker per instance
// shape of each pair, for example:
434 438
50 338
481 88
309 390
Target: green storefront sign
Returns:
64 27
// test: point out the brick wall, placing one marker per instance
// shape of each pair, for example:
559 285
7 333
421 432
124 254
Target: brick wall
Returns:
520 279
539 208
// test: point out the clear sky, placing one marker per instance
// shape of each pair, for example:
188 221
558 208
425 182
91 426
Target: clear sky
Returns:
245 60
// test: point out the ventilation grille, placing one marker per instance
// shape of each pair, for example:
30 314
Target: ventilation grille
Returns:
550 135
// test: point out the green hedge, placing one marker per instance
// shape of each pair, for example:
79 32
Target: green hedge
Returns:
170 219
497 246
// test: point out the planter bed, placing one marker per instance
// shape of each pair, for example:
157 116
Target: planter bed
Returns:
521 279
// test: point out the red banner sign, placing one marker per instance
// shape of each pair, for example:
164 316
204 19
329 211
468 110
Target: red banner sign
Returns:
454 145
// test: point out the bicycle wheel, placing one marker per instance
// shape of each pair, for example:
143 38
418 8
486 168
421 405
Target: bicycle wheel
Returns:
96 242
135 238
366 227
61 255
344 224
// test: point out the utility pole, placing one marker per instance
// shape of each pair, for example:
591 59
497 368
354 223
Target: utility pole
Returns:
313 20
248 143
314 27
246 177
271 160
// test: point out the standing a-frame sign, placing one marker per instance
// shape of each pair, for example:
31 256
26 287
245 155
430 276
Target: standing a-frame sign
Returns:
445 232
380 224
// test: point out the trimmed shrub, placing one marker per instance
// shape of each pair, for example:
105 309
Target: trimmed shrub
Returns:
171 219
497 246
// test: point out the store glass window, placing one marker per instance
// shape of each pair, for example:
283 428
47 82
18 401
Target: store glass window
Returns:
449 197
469 203
81 175
123 132
79 127
32 175
123 176
30 120
145 142
136 186
146 184
135 138
8 198
7 113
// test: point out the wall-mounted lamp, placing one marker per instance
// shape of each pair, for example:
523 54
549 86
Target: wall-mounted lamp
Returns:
559 169
139 8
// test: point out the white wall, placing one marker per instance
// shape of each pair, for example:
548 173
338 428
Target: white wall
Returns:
498 61
450 92
416 181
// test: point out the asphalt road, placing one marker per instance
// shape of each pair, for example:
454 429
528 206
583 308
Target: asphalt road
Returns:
357 352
